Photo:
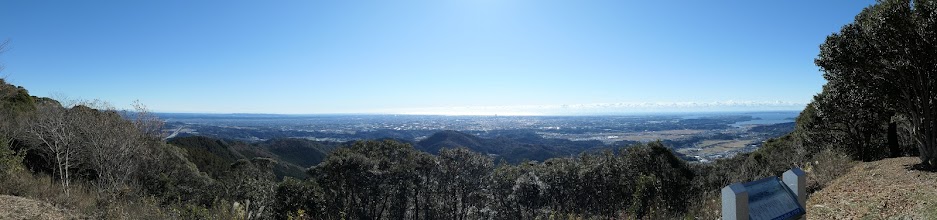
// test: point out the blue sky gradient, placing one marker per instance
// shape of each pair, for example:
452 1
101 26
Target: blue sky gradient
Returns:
430 56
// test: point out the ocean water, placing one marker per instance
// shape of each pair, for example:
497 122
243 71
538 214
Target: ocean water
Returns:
769 118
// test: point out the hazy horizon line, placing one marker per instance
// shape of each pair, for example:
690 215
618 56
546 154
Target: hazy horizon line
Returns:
506 115
598 109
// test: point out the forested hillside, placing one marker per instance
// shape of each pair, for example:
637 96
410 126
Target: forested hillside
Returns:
293 156
199 177
514 148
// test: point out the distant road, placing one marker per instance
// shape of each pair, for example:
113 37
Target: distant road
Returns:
174 133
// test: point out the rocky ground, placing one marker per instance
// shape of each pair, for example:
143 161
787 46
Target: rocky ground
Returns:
893 188
14 207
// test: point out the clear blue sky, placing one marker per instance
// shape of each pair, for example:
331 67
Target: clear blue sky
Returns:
432 56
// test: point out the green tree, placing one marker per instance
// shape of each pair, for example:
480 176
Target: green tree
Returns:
426 187
562 175
529 191
369 180
890 50
294 196
250 184
10 161
847 118
503 180
464 174
644 193
605 183
15 107
666 178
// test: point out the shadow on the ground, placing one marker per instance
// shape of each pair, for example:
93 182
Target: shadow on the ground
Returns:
921 167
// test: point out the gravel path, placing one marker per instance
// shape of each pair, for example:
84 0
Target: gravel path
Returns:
15 207
885 189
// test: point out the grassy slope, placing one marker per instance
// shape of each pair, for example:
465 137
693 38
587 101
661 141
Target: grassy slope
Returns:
884 189
15 207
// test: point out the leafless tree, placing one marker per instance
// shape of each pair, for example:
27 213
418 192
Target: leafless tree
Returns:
111 145
145 121
50 127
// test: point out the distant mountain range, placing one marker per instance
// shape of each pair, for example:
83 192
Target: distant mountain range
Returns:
294 155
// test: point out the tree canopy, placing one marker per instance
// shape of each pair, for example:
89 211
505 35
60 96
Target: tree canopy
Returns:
885 61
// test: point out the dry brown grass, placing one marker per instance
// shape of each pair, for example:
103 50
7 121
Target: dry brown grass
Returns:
884 189
82 202
15 207
825 167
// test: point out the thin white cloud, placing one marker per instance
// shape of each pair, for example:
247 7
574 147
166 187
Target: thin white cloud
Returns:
604 108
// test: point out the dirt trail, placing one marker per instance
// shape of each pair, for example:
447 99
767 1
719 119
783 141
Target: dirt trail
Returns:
884 189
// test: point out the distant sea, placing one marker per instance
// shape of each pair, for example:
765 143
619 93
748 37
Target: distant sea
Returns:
768 118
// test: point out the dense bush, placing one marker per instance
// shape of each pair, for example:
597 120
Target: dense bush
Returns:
388 179
298 196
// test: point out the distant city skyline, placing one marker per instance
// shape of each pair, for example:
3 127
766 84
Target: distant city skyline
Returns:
483 57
